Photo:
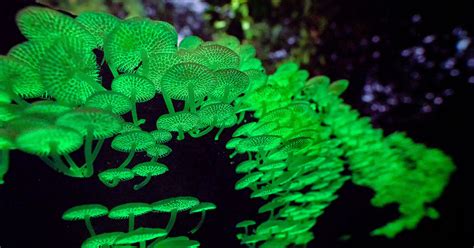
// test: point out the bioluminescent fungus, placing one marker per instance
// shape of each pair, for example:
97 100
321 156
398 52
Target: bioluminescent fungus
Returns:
176 242
130 211
112 177
180 122
99 25
202 208
86 212
161 136
174 206
111 101
101 240
140 235
148 170
131 142
158 151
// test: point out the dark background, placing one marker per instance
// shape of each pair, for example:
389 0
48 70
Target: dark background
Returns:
34 197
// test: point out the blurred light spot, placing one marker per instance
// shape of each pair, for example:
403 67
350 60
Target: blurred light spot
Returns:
454 73
471 80
429 39
416 18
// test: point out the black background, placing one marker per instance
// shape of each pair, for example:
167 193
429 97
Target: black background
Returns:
34 197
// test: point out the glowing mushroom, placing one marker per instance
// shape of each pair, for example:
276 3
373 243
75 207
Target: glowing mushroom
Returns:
202 208
148 170
101 240
131 142
173 206
180 122
112 177
86 212
140 235
130 211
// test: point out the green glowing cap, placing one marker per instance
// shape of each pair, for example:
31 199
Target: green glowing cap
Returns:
180 203
274 226
69 73
21 79
135 87
266 191
255 238
47 108
245 223
257 78
161 136
98 24
150 169
203 206
215 113
257 143
158 151
185 78
85 211
138 140
29 52
112 101
157 66
124 211
179 121
140 235
101 240
248 180
272 165
217 57
47 25
176 242
120 174
247 51
128 127
270 206
246 166
230 84
190 42
43 141
338 87
245 129
232 143
131 40
102 124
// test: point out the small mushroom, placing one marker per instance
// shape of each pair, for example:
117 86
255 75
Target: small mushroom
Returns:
130 211
173 206
148 170
202 208
86 212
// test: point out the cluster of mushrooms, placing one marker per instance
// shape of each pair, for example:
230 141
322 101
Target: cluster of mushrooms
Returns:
302 146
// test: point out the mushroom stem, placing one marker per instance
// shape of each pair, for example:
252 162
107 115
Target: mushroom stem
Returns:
172 220
59 165
131 222
202 133
180 134
145 63
143 183
134 109
88 152
129 158
203 217
190 104
143 244
241 117
154 159
89 226
218 133
232 155
168 102
111 184
73 166
4 163
97 148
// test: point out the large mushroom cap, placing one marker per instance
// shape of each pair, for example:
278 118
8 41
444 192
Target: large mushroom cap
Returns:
180 203
261 142
215 113
158 151
69 72
140 235
99 24
29 52
190 42
150 169
248 180
183 77
139 140
101 240
20 78
125 210
102 124
245 223
177 242
135 87
161 136
47 26
246 166
184 121
112 101
231 82
157 66
47 108
43 141
121 174
125 45
217 57
203 206
85 211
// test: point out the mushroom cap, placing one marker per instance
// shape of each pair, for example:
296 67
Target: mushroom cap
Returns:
235 81
272 165
139 235
47 108
190 42
180 203
27 122
228 41
29 52
103 124
177 242
158 151
132 85
98 24
128 127
22 79
247 51
9 111
178 80
100 240
69 72
246 166
184 121
113 101
232 143
159 63
269 206
338 87
257 78
248 180
124 142
274 226
43 141
245 223
217 57
125 210
47 26
150 169
161 136
122 174
6 139
203 206
215 113
83 211
124 46
245 129
260 142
